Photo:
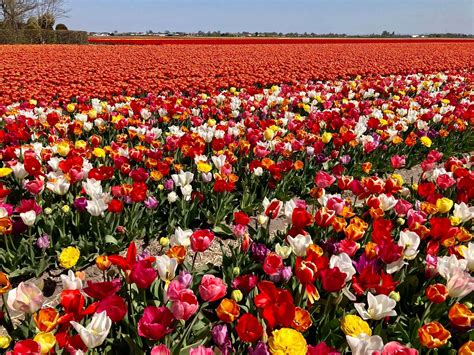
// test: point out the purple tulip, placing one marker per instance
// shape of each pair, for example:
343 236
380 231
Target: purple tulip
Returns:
80 204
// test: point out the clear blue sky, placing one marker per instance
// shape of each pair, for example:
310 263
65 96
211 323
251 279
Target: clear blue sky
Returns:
319 16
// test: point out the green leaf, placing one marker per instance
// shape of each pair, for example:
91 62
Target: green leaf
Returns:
109 239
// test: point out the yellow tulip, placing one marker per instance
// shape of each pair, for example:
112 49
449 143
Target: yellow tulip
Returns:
47 341
426 141
444 204
326 137
63 148
5 172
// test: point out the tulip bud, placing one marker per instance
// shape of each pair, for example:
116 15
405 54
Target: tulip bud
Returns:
161 187
70 108
164 241
394 296
237 295
102 262
66 209
236 271
48 211
400 221
262 219
5 341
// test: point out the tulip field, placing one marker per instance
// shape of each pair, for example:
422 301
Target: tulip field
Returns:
248 198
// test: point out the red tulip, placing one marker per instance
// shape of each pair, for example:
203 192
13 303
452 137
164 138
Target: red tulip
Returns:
249 328
114 306
27 346
155 323
333 280
143 274
201 240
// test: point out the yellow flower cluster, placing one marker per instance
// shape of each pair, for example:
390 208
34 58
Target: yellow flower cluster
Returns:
69 257
353 325
287 341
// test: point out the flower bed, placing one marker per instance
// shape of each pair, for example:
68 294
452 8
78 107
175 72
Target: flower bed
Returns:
367 263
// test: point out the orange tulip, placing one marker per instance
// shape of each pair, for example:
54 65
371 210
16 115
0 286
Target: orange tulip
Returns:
436 293
46 319
102 262
433 335
228 310
177 252
5 284
467 348
460 316
302 320
6 226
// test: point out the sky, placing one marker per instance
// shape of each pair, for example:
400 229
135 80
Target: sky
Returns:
318 16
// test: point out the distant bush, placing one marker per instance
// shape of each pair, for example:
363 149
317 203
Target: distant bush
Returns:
61 27
39 36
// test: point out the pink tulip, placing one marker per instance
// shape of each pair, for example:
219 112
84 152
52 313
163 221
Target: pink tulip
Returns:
212 288
185 306
395 348
174 289
398 161
26 298
160 350
201 350
323 179
402 207
416 217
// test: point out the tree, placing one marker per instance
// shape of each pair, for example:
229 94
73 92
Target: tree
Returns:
14 12
48 11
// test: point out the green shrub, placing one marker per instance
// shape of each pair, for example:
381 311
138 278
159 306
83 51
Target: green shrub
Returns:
39 36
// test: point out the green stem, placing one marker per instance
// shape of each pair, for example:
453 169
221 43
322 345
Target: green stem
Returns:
5 306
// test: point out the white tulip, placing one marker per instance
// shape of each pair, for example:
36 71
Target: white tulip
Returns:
448 265
206 177
219 161
365 344
460 284
95 333
344 263
181 237
283 250
387 202
172 197
26 298
19 171
96 207
463 212
468 254
187 190
299 244
379 307
71 282
288 210
166 267
57 183
28 218
410 241
258 171
183 178
93 188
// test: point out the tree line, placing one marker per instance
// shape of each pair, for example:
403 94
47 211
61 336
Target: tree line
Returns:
31 14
